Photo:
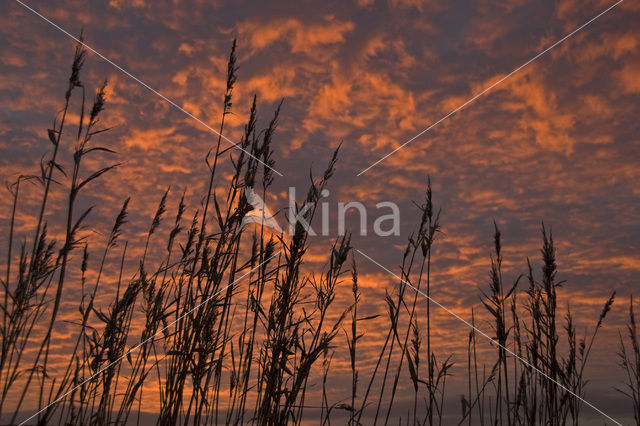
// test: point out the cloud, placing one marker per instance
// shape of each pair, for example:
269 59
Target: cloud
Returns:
302 37
420 5
628 78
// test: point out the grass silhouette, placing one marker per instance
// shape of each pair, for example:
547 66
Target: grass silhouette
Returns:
217 352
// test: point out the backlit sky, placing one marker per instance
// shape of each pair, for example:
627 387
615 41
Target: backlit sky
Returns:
559 141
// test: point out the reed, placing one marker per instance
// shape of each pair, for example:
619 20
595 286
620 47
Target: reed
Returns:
629 354
225 325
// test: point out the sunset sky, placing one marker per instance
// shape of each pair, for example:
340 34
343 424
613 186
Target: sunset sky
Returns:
558 141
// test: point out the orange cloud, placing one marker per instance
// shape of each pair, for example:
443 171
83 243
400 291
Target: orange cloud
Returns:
629 78
302 37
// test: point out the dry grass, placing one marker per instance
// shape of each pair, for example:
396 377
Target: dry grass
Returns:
219 352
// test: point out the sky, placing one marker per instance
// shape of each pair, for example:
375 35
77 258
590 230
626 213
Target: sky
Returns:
558 141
